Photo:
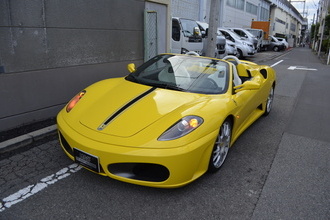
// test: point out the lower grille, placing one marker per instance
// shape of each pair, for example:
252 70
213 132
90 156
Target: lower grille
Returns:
140 171
65 144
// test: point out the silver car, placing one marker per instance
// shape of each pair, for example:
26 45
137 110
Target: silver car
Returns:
245 34
244 48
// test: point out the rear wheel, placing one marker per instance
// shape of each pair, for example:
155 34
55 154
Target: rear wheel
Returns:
221 146
276 48
269 101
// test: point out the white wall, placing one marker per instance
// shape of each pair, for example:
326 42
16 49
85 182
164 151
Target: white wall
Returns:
186 9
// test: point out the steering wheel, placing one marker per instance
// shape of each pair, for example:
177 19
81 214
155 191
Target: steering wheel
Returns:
210 84
232 57
192 53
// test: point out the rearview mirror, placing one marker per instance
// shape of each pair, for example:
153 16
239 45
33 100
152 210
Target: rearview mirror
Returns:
131 67
247 85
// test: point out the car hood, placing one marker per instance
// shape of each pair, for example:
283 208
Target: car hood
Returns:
127 108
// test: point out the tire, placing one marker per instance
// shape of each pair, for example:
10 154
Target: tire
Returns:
275 48
221 147
239 54
269 102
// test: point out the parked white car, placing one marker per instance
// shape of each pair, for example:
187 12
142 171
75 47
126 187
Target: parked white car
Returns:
244 48
284 42
245 34
231 48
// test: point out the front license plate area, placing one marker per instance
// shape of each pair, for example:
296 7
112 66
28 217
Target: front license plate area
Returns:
87 160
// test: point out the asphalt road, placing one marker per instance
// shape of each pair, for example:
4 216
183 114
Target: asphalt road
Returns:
278 169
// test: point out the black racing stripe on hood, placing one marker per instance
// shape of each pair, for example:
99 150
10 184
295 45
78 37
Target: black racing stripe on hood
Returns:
104 124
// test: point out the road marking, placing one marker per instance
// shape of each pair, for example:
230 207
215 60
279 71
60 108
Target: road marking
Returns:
300 68
30 190
276 63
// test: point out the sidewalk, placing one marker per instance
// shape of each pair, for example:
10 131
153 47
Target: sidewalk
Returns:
297 186
29 138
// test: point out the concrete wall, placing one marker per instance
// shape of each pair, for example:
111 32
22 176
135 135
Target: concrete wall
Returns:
186 9
51 49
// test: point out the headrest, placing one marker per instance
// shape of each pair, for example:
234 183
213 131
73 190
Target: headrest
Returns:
243 70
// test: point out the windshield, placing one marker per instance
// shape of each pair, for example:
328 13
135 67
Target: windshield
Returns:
188 27
256 33
183 73
234 35
249 33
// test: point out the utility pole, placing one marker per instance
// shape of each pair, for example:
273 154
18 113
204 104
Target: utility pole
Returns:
213 27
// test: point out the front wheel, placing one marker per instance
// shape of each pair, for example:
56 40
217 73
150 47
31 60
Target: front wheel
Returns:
221 147
239 54
269 102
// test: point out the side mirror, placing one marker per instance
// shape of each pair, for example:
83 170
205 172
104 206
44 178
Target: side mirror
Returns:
197 32
247 85
131 67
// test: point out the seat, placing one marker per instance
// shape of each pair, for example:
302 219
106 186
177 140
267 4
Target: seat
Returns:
237 80
182 77
243 72
167 75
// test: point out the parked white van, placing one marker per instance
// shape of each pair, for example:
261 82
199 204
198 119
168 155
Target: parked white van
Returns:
186 36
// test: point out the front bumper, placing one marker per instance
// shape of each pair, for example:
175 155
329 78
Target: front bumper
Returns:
165 168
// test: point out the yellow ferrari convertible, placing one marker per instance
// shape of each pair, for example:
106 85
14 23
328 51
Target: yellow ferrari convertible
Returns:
169 121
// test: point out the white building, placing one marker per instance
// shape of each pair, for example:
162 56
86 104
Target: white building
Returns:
284 19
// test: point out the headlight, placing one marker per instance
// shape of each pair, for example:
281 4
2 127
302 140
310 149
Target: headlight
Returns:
181 128
74 101
184 50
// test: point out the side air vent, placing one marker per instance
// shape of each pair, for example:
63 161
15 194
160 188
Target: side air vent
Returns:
264 73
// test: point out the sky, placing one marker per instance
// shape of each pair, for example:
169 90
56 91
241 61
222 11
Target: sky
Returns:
310 8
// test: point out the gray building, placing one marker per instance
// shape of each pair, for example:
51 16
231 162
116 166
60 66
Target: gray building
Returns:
51 49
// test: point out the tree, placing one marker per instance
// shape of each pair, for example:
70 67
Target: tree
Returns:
327 24
314 29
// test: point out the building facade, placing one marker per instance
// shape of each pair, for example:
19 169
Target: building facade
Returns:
285 20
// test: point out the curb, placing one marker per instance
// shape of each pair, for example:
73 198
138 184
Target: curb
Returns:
26 139
281 53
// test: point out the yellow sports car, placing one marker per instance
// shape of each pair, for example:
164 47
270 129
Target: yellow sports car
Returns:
169 121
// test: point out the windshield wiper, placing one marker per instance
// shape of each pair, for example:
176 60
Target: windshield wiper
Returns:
167 86
133 78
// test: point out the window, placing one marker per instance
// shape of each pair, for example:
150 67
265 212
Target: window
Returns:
251 8
279 21
231 3
239 32
175 30
239 4
264 14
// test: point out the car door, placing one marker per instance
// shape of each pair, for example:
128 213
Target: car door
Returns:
247 102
